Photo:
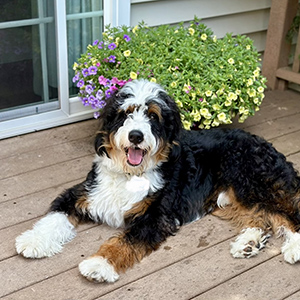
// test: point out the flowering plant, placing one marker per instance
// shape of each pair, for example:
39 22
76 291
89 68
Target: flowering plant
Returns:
211 79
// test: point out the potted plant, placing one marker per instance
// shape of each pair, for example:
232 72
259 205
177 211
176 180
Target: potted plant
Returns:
212 80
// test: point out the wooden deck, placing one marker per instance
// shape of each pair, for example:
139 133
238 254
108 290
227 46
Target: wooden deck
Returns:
195 264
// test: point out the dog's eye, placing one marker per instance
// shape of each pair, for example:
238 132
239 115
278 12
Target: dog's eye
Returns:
153 116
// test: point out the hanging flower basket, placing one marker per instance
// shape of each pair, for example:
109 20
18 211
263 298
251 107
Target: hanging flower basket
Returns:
212 80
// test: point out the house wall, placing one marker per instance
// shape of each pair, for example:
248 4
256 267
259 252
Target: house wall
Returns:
248 17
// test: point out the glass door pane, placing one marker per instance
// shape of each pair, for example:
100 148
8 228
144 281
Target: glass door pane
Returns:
84 26
28 65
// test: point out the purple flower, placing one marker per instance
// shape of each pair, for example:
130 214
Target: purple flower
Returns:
89 89
112 58
108 83
99 94
85 72
112 46
92 70
92 100
108 93
85 101
101 104
80 83
126 38
102 80
100 46
95 42
96 114
76 77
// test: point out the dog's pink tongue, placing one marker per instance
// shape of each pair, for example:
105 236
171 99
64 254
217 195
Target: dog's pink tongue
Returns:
135 156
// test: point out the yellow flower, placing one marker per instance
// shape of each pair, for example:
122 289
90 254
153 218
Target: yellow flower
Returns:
127 53
191 31
139 60
251 92
261 95
196 116
215 39
179 103
203 37
248 47
187 124
221 117
231 61
173 84
133 75
241 109
228 102
135 29
205 113
231 96
249 82
75 66
206 122
256 73
215 123
208 93
152 79
260 89
117 40
256 101
216 107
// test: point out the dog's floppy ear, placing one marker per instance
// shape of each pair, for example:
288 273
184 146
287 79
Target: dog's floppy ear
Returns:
106 119
172 120
173 125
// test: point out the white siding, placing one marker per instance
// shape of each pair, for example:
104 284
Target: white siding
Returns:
248 17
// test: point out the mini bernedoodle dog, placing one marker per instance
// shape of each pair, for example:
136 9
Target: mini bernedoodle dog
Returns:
150 176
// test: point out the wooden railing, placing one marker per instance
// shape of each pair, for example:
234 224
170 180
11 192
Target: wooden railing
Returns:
276 57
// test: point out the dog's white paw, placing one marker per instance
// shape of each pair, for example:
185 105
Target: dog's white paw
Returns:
47 237
32 245
98 269
291 247
249 243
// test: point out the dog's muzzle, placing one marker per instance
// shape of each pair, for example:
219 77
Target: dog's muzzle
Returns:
135 154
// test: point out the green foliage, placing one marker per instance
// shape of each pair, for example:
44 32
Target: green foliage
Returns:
211 79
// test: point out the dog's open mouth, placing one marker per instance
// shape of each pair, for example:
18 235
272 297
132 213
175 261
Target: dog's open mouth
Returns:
135 155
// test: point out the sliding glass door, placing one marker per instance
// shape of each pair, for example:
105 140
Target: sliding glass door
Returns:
40 41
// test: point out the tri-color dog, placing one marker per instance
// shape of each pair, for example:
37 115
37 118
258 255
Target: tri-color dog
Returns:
150 176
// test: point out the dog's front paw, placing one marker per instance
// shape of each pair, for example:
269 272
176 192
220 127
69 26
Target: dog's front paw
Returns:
249 243
98 269
33 245
47 236
291 248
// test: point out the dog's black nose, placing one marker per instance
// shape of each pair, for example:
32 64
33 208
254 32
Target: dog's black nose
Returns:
135 136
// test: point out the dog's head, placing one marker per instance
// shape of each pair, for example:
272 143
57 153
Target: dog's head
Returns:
139 127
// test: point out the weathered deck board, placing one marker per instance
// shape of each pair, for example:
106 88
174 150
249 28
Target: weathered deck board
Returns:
195 264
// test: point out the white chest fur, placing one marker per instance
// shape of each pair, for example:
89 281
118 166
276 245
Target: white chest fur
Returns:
117 192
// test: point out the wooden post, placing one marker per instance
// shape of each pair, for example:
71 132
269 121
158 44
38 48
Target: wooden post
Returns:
277 47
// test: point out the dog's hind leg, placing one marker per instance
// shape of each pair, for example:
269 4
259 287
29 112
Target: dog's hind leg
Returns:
249 243
254 224
55 229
